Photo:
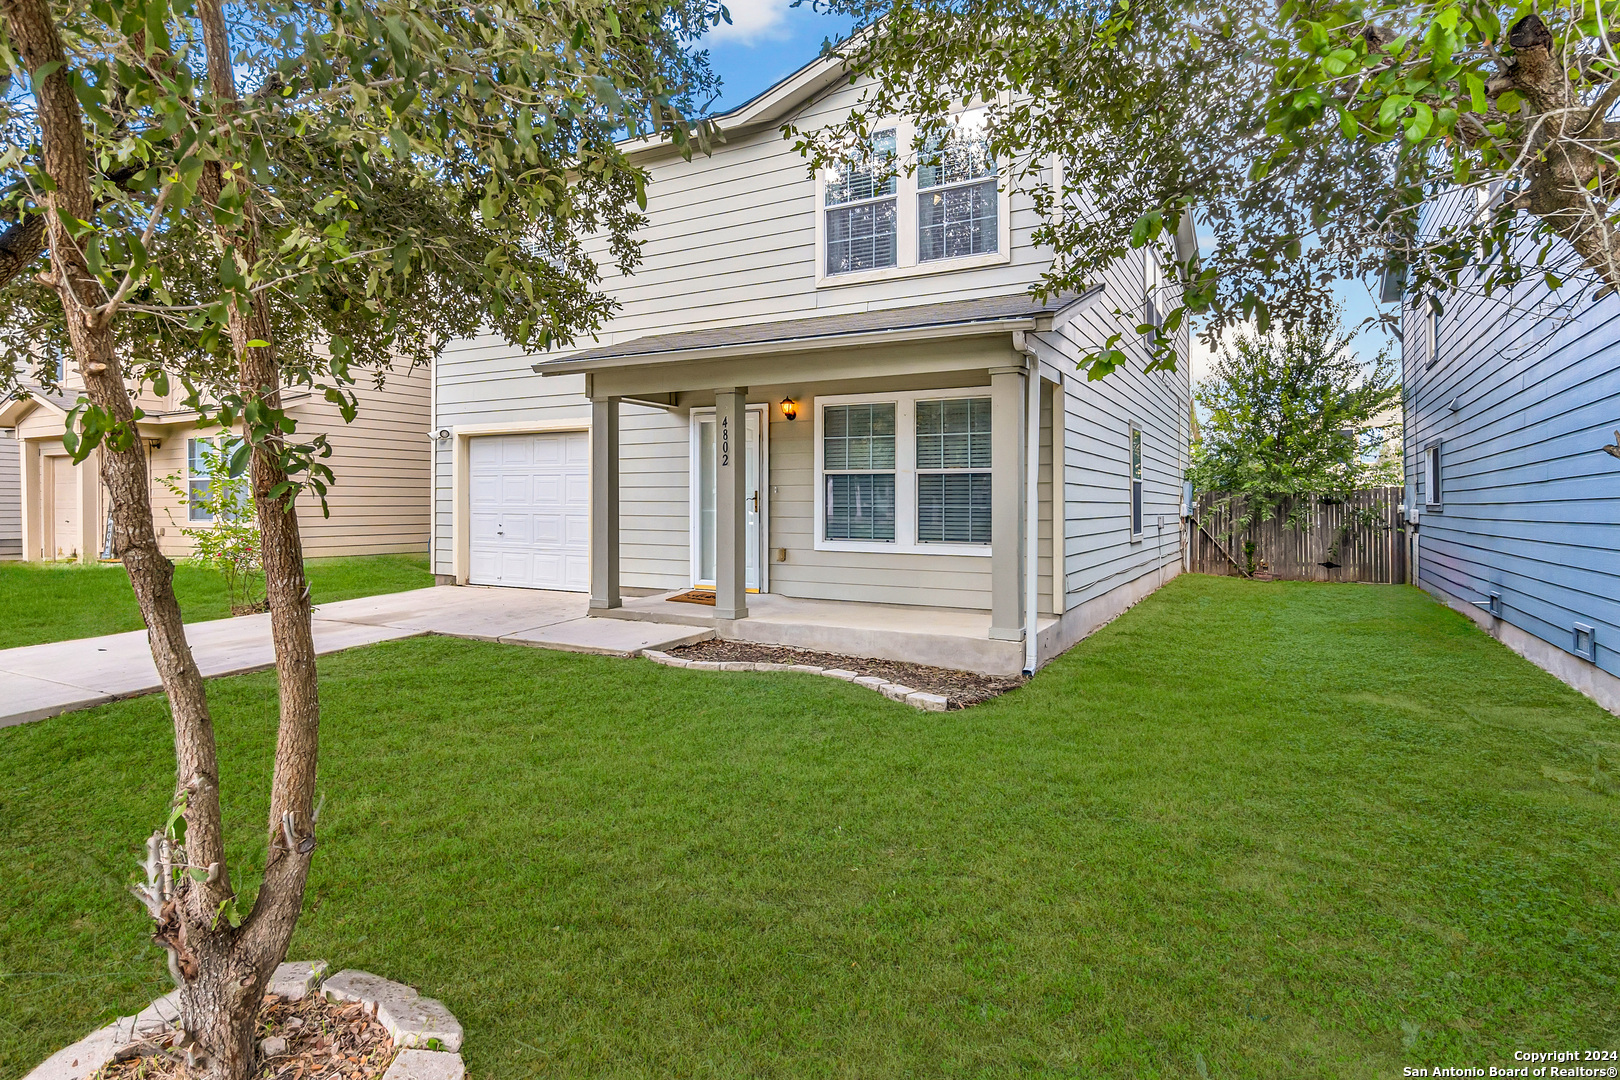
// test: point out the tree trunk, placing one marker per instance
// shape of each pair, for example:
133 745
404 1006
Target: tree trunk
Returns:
187 931
222 971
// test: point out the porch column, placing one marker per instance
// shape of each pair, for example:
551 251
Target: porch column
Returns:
89 490
32 469
1007 398
730 515
604 503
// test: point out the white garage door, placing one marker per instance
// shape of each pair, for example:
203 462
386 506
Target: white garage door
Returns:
530 502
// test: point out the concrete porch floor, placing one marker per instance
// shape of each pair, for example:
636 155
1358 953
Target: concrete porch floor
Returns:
940 637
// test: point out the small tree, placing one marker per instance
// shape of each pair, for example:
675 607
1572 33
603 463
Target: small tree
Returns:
1293 415
229 543
238 199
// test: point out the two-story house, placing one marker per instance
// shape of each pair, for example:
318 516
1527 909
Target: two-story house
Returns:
1512 480
830 401
52 509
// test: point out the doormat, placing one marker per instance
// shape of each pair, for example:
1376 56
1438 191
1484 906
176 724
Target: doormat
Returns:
695 596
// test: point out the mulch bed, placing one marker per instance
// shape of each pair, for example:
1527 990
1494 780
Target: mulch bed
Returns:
962 688
325 1040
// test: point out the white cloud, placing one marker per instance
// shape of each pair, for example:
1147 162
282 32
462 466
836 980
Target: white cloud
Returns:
752 21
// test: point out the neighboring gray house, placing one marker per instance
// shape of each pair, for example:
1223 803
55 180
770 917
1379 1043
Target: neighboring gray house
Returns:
830 400
1508 408
10 489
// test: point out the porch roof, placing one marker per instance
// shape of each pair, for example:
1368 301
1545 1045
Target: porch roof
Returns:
955 318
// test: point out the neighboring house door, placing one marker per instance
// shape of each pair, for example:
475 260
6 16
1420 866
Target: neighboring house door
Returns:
530 510
705 493
62 488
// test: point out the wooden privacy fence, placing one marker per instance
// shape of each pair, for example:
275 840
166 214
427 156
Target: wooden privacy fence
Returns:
1359 539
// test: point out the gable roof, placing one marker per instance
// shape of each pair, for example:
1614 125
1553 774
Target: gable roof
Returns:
954 318
14 407
770 106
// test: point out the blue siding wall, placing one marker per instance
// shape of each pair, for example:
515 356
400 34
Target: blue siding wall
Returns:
1521 398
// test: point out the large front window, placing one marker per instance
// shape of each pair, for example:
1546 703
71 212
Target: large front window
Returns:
953 471
858 461
862 218
904 472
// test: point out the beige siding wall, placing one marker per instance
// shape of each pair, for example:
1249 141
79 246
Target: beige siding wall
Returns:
382 463
1099 553
880 577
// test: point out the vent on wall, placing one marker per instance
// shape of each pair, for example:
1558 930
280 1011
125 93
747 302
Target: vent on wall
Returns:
1495 603
1585 642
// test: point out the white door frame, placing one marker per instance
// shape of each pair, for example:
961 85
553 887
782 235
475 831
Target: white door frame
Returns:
694 511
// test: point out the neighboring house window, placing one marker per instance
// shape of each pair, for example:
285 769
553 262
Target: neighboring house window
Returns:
198 473
905 471
898 206
1431 474
956 198
197 476
858 458
862 218
953 471
1136 481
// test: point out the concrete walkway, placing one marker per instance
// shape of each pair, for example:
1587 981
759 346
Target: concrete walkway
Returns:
38 681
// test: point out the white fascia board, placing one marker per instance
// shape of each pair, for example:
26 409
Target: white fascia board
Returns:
897 336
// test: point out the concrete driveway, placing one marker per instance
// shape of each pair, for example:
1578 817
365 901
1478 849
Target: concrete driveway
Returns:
38 681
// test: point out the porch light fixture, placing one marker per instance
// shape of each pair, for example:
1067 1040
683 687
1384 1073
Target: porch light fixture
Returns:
790 408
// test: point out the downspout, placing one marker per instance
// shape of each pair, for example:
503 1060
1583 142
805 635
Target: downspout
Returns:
1032 501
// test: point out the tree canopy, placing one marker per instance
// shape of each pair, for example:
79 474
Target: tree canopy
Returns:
1311 140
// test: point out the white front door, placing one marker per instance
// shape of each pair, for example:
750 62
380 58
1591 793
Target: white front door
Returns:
529 503
706 491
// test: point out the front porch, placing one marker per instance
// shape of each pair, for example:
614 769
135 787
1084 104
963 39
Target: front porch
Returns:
939 637
968 580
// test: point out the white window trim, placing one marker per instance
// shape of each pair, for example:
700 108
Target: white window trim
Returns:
905 474
907 263
1431 477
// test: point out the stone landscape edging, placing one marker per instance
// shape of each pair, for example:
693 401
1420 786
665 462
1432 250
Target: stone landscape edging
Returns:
917 699
413 1022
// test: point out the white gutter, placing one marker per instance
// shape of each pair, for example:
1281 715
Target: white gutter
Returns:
1032 498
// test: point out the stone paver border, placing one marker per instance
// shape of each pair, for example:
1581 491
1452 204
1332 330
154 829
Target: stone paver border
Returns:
917 699
426 1035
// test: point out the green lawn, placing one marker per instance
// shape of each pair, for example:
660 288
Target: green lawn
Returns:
58 601
1245 831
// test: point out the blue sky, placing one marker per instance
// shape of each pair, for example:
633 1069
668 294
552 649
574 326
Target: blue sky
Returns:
769 40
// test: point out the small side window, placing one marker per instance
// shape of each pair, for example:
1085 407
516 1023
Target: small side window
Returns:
1431 334
1432 493
1136 481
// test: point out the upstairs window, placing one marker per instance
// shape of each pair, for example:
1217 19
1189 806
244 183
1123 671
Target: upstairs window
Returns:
862 210
957 203
904 205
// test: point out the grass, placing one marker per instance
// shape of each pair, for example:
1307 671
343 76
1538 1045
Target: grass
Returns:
60 601
1244 831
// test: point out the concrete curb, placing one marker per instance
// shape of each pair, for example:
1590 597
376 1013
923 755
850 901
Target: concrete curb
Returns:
917 699
426 1036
